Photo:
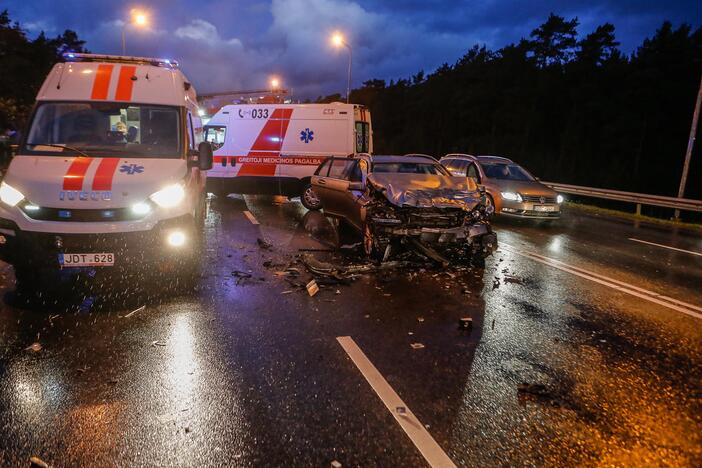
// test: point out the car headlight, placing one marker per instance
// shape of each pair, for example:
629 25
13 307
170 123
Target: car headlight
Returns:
560 199
512 196
170 196
10 195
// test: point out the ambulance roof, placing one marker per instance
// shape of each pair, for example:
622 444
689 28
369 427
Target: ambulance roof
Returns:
87 77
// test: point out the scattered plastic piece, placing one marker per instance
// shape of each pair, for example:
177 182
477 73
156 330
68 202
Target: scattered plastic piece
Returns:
37 462
312 288
335 464
287 292
135 311
36 347
465 323
417 346
420 319
158 343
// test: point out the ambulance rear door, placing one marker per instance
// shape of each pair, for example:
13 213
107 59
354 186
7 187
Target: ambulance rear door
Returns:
315 132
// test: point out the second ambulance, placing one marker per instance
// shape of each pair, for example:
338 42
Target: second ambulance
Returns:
109 176
275 148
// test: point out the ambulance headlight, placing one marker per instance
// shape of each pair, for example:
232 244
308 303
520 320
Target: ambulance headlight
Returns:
169 197
141 208
10 195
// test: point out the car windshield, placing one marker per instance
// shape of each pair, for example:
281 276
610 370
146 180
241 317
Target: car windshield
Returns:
410 168
505 171
104 128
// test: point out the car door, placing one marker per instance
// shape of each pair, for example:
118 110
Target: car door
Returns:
335 187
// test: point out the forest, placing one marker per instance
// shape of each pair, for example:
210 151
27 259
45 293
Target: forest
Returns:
571 108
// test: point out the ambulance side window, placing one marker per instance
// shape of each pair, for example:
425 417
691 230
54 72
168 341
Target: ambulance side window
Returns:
215 134
362 137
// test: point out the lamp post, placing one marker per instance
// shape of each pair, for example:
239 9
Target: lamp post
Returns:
338 41
690 145
137 18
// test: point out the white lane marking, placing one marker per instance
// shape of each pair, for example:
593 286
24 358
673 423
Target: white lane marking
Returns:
669 302
430 450
665 246
251 217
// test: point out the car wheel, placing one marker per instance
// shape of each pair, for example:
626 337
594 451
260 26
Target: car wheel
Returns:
310 199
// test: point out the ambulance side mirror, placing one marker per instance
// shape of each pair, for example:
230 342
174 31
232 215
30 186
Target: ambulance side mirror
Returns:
205 156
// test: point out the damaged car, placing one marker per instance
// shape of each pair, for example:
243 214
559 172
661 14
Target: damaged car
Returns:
400 203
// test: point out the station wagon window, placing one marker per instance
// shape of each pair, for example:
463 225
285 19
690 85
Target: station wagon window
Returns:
215 134
105 128
362 137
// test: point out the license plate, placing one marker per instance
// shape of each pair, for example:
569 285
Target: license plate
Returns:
86 259
545 208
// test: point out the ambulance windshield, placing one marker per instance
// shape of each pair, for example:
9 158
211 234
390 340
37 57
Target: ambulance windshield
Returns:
104 129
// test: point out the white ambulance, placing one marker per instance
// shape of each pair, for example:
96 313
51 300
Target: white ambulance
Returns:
109 176
275 148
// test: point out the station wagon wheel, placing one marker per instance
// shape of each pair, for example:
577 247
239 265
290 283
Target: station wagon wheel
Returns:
310 199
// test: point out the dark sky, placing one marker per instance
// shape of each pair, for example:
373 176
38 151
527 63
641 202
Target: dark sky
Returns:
233 44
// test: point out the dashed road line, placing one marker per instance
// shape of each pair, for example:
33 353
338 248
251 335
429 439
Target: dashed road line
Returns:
425 443
666 246
651 296
251 217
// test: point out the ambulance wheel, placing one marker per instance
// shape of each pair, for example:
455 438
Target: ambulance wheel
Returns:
310 199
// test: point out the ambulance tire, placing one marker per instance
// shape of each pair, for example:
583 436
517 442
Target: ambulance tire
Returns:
309 199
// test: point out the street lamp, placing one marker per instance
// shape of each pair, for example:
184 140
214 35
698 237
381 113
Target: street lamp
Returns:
338 41
137 18
275 84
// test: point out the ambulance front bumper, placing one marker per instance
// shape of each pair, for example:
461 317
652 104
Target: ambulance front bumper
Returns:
130 250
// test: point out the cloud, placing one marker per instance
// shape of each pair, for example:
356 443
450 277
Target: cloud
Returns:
227 45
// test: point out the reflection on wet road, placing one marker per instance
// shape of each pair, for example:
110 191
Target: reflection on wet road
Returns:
557 369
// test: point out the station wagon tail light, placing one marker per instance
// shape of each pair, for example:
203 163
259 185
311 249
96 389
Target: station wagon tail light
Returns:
560 199
10 195
512 196
169 197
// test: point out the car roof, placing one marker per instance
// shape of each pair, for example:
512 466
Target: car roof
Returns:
497 159
412 158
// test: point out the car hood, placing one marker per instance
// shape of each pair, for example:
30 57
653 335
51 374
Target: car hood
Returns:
525 187
426 190
70 182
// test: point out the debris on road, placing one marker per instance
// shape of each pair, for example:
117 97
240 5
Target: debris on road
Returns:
37 462
35 347
512 279
135 311
289 291
312 288
240 276
401 410
417 346
158 343
465 323
263 244
420 319
335 464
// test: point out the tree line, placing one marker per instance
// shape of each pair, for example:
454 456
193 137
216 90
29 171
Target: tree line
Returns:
572 110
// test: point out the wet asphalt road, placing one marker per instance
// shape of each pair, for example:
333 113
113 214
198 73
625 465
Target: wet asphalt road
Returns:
557 370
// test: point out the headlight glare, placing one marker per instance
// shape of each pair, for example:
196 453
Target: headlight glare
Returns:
10 195
560 199
170 196
512 196
141 208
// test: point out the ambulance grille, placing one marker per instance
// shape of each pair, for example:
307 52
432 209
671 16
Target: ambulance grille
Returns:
82 215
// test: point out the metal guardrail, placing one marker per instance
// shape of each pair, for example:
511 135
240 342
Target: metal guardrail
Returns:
683 204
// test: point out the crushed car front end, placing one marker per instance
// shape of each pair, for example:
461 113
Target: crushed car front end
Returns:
433 213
